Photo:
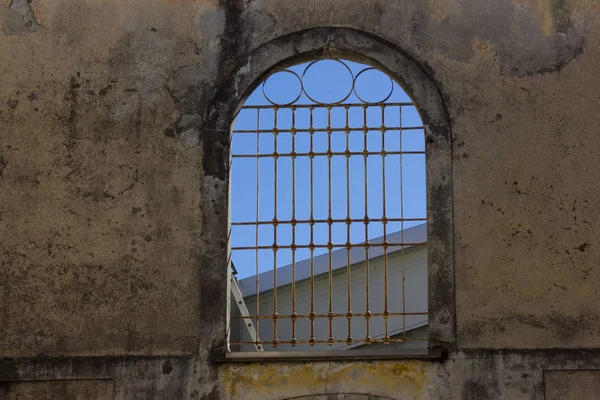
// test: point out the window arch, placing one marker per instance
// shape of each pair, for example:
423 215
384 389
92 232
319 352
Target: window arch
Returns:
346 44
328 210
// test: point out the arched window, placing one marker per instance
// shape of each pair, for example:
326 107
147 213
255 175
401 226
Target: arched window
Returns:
328 209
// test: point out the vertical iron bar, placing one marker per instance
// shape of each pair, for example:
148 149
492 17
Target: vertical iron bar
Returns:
349 339
294 314
366 222
257 225
275 315
311 131
402 231
386 310
330 341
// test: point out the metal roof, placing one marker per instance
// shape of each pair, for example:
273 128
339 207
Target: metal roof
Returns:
416 234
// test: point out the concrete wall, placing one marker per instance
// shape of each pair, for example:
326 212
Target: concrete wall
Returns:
113 183
67 390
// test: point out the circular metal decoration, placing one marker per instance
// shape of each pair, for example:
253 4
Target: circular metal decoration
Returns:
312 97
287 91
363 98
311 86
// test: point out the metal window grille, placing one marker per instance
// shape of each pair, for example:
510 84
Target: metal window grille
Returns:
327 206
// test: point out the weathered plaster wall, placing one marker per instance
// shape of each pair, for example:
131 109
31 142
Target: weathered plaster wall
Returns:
99 214
572 385
113 182
382 378
520 83
68 390
518 375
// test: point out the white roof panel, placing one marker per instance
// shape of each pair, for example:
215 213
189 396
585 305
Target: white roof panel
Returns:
416 234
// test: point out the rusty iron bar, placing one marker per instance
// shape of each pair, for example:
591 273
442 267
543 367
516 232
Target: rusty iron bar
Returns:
312 236
326 154
325 246
316 341
282 106
402 267
347 130
329 248
348 220
275 314
354 315
293 314
386 312
256 243
349 339
366 223
324 130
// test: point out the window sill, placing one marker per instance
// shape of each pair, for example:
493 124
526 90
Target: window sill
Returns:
434 354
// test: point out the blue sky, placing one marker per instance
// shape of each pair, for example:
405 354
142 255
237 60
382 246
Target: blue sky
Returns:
324 81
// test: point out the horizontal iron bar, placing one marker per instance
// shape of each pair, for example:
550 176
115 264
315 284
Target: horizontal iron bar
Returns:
324 221
325 246
325 316
329 129
331 105
321 154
